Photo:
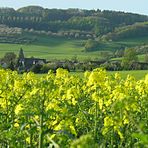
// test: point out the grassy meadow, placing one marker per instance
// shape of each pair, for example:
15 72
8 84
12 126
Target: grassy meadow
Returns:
51 48
138 74
61 48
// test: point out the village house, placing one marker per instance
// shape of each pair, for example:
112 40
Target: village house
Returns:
26 63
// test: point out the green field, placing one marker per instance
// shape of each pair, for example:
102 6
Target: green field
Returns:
138 74
51 48
141 58
61 48
135 41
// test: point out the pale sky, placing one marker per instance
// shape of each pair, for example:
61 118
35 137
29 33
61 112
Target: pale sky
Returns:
135 6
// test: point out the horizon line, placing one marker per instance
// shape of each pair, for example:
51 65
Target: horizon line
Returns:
17 8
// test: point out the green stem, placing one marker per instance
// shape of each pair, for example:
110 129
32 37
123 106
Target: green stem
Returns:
41 124
96 116
31 136
84 116
41 132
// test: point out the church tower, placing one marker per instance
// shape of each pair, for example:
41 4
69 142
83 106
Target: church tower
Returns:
21 59
21 54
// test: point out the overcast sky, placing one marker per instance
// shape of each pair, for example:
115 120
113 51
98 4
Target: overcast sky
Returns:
135 6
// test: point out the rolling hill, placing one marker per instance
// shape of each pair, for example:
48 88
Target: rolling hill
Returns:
62 34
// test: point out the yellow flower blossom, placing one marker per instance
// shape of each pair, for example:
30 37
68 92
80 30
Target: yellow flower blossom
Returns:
16 125
18 109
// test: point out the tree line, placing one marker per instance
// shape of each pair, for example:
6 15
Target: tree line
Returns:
128 60
96 21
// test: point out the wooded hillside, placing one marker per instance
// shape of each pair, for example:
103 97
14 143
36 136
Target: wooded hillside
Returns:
95 22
